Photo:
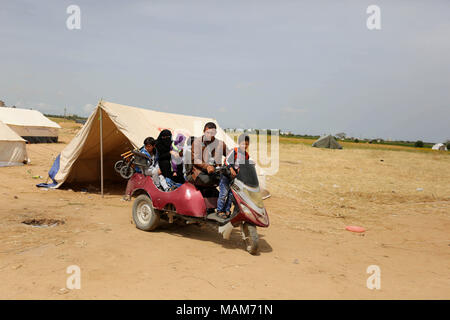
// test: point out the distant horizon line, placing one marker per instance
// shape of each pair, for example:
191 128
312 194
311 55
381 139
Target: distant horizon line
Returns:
236 128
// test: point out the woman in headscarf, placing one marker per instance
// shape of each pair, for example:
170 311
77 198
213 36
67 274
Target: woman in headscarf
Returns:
177 158
163 144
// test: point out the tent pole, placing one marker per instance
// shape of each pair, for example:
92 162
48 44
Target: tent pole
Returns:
101 151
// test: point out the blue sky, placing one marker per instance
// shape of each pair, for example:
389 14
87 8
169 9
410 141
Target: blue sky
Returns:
312 67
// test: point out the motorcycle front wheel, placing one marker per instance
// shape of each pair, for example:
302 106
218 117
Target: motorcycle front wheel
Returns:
250 237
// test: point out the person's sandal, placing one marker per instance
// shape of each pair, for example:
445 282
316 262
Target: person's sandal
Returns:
222 215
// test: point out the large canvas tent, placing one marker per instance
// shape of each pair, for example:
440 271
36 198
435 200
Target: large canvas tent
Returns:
31 125
439 146
113 129
12 147
327 142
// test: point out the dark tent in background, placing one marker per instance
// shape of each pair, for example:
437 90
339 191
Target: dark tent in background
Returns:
327 142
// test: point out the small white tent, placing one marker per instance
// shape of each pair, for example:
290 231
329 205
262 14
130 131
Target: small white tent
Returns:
12 148
439 146
31 125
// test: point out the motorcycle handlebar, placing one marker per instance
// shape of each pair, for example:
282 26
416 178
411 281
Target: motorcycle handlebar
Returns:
219 169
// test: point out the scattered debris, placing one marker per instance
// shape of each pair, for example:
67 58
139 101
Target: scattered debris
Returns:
81 244
355 229
63 291
419 189
92 189
43 223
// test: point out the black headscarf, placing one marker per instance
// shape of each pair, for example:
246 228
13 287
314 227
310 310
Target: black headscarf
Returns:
163 143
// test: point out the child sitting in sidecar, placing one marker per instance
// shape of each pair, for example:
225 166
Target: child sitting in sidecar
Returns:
152 168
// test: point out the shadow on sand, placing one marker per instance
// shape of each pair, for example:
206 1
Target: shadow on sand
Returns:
210 233
117 188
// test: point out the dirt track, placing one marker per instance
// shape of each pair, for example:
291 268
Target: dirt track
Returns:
305 253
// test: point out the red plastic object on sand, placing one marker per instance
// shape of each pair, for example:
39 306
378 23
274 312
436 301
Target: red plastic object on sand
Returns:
355 229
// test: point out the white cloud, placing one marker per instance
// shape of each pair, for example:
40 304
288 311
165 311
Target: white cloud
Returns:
293 110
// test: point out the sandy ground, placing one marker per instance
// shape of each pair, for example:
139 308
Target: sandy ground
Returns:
305 253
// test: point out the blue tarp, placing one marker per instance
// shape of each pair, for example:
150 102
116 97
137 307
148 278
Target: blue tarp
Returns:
51 173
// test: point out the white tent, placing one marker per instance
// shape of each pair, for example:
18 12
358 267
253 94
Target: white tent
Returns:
30 124
123 128
439 146
12 148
